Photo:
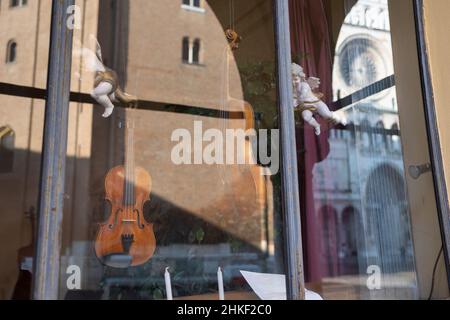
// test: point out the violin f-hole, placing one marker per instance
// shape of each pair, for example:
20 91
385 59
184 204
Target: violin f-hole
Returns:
138 219
116 217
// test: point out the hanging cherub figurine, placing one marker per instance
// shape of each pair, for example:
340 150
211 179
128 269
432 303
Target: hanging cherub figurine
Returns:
106 84
308 102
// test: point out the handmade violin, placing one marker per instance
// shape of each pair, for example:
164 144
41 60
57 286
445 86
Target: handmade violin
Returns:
126 238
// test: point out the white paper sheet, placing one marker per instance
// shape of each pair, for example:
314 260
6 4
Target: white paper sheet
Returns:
272 286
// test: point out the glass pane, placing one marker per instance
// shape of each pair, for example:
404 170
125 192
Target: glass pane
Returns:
174 191
21 128
24 42
24 47
355 212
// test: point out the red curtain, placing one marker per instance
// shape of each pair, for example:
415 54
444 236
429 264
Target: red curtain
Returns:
311 48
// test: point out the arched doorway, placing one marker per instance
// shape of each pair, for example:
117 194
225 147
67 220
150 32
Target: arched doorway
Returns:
330 236
351 229
388 228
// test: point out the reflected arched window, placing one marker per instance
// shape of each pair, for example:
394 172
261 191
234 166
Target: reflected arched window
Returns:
7 145
185 50
11 51
366 137
191 51
385 206
196 52
349 241
380 137
351 128
330 236
395 138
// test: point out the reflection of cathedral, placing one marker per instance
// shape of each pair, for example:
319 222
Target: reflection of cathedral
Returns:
359 189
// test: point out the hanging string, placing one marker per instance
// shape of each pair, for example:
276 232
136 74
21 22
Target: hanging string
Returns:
232 15
224 100
225 87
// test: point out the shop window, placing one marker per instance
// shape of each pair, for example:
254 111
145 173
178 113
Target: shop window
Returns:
199 209
197 220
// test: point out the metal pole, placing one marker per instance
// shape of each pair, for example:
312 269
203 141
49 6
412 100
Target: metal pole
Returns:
295 283
47 262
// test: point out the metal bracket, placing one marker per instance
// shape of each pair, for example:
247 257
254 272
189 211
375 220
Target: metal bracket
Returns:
417 171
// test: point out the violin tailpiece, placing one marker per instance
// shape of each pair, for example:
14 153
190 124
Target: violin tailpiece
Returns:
127 241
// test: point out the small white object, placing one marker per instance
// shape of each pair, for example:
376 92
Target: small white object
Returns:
220 283
272 286
168 285
27 264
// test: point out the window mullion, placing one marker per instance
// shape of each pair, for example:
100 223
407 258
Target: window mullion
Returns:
47 261
191 51
295 283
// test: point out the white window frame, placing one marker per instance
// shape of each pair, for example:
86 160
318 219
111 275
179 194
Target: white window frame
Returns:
190 60
20 3
191 7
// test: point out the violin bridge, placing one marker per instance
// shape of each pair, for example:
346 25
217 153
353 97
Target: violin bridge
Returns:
128 221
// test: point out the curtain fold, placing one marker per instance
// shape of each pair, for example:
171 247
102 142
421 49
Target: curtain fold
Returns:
311 48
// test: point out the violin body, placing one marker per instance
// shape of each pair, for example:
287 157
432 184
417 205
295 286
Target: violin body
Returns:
126 232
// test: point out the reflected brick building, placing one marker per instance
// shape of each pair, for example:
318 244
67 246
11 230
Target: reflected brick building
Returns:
230 205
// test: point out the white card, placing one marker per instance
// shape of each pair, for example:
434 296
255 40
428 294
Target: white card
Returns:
272 286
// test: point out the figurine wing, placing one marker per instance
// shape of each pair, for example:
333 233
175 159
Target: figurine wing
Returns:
314 83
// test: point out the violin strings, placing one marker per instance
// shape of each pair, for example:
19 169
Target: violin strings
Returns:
131 166
127 161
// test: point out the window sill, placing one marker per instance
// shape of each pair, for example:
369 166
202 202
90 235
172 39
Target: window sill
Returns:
193 9
193 64
17 7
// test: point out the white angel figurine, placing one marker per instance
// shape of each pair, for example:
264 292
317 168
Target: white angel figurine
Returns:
308 102
106 84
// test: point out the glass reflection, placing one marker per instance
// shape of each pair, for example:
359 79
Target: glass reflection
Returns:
187 78
354 198
24 40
